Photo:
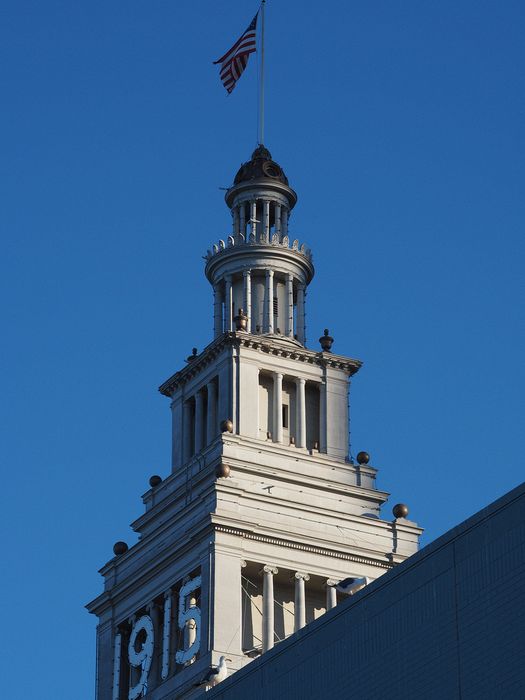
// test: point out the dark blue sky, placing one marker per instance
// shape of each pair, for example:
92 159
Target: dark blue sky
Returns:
400 125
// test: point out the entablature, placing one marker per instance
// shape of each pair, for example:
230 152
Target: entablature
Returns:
269 344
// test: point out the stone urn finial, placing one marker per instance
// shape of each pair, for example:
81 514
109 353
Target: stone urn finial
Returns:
326 341
241 321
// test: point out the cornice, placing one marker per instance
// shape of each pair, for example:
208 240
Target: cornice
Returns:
313 549
267 344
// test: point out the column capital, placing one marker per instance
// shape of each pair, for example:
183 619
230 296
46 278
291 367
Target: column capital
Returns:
269 569
269 273
301 575
167 594
331 582
300 380
246 273
278 375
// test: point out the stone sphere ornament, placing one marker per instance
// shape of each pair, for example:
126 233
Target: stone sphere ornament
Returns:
326 341
120 548
226 426
155 480
400 510
222 471
363 458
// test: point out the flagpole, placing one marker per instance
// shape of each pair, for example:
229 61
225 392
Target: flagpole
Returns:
261 95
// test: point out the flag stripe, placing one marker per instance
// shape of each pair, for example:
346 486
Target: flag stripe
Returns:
234 61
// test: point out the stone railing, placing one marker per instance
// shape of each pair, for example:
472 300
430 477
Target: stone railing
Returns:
274 240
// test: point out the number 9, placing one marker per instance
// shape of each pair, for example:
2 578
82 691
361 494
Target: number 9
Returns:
143 635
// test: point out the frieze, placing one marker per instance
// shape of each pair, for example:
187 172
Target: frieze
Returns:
265 345
303 547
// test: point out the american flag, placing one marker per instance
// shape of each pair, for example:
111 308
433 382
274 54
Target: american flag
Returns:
235 60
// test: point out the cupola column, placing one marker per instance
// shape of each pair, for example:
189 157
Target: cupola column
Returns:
242 220
253 219
269 301
300 439
228 303
235 215
289 302
277 407
217 310
284 221
266 220
248 297
278 220
300 314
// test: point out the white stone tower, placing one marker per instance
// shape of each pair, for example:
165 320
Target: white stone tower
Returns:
263 512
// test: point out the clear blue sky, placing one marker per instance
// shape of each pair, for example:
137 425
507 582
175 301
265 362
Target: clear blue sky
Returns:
400 125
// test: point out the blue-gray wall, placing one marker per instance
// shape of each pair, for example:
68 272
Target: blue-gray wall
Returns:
447 623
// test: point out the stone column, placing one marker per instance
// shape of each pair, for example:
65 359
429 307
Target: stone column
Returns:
154 672
186 429
199 421
117 651
322 417
248 297
211 418
277 431
268 604
278 220
166 633
331 594
269 301
266 219
300 314
300 416
284 221
217 310
300 600
253 217
228 304
242 220
235 217
289 306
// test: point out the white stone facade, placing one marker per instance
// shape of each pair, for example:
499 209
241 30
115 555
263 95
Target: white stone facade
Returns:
263 512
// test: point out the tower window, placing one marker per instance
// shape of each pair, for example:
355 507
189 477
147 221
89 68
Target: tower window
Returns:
285 416
275 306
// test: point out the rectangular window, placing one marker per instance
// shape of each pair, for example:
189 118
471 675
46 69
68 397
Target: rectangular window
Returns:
285 416
275 306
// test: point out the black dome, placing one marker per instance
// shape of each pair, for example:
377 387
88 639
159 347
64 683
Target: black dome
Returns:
261 166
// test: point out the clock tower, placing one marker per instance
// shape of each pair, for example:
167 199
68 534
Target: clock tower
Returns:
263 512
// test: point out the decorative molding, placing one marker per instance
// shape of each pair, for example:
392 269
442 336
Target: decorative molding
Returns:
301 575
303 547
263 344
269 569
